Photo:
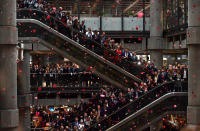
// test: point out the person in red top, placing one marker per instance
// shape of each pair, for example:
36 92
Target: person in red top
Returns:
119 51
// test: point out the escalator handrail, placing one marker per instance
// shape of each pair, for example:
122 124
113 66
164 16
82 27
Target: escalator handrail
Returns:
135 101
64 24
72 59
55 19
162 98
79 46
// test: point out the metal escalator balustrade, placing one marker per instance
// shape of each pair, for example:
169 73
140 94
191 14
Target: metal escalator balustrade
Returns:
90 44
136 105
30 29
173 102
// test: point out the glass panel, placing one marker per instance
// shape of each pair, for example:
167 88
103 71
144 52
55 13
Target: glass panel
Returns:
133 24
92 45
91 22
111 24
139 103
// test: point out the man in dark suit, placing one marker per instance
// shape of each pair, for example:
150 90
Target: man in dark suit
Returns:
75 123
184 73
82 27
134 57
162 77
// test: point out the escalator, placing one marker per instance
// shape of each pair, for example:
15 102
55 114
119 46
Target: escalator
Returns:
34 30
36 25
93 45
164 98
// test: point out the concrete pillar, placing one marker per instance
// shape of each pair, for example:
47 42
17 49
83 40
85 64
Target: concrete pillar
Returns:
156 58
23 91
155 43
9 117
193 41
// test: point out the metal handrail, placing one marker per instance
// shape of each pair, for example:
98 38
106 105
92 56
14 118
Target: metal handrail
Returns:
73 59
77 45
135 101
73 30
134 115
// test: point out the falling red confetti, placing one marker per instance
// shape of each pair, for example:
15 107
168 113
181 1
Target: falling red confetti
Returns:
174 45
140 14
14 28
18 60
137 27
89 68
54 85
34 31
48 17
39 89
20 71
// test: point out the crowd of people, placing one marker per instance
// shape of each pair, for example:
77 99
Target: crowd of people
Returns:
155 76
152 77
86 37
32 4
46 7
80 117
83 115
63 75
70 74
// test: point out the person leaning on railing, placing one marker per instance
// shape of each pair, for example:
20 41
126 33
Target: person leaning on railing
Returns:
62 75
